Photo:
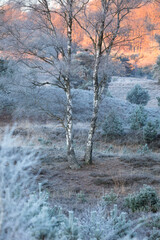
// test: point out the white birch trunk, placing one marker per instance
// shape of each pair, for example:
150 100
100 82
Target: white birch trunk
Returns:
89 146
69 128
69 133
96 97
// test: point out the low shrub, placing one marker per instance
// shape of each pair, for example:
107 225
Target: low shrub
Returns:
143 150
81 197
158 99
156 69
154 222
26 213
145 200
3 66
110 198
138 118
112 126
155 235
138 95
150 132
6 67
16 180
95 225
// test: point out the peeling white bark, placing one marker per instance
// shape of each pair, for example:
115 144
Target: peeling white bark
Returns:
69 128
96 97
69 131
89 146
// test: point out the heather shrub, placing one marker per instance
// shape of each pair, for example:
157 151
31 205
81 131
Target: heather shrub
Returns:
138 95
155 235
143 150
7 104
138 118
7 67
44 142
26 213
156 69
7 100
99 226
145 200
81 197
43 220
110 198
120 223
150 132
108 94
48 222
3 66
112 126
155 222
70 229
16 183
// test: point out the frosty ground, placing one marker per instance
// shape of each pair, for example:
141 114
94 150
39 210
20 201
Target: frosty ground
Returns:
117 164
121 165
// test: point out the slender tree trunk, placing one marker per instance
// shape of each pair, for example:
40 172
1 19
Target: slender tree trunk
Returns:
89 146
69 128
96 97
73 163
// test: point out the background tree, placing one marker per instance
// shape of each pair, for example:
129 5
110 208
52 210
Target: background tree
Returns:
2 11
3 20
106 29
156 69
138 95
42 45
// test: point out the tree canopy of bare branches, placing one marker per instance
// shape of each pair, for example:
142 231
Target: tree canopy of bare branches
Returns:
106 29
41 36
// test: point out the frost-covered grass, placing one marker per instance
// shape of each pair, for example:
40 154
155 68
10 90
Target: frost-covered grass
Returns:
16 184
120 86
49 102
27 214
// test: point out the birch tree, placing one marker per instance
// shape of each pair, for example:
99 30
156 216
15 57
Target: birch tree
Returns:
1 21
44 46
3 33
106 31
